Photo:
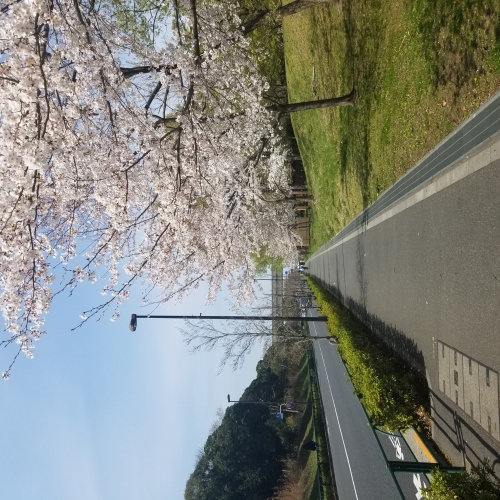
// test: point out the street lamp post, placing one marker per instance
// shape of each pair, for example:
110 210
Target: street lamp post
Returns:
133 320
288 406
265 402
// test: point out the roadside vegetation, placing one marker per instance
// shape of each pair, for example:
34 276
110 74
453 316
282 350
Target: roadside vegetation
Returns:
306 470
479 483
394 395
252 454
419 69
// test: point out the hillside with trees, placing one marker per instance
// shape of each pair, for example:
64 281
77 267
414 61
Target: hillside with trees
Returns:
244 455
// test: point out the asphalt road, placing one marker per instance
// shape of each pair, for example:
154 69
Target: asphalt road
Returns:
359 465
427 279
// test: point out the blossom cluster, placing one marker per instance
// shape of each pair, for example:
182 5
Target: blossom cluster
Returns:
170 169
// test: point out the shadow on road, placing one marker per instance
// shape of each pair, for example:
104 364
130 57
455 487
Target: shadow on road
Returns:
393 338
448 422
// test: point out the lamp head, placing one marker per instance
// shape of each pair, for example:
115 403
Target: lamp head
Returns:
133 322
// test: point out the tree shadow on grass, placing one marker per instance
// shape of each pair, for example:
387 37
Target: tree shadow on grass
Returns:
457 37
307 434
363 22
302 382
390 335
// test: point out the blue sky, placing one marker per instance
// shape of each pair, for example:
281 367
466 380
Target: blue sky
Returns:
104 413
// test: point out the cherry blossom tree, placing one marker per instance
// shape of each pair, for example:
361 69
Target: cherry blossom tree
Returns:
141 18
135 162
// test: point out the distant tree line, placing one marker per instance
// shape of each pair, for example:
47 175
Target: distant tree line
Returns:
242 458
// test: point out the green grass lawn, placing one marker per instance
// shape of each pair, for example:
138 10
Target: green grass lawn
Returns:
419 68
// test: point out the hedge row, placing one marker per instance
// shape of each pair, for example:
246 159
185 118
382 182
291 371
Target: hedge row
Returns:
391 391
479 483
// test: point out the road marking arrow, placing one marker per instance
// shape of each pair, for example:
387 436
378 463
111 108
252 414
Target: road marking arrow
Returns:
419 484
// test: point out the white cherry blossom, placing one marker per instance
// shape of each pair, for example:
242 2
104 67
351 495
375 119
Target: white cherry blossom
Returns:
170 169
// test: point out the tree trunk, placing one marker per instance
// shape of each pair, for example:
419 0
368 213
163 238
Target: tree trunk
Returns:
345 100
138 70
292 200
283 11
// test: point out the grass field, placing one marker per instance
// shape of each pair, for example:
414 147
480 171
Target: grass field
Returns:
419 69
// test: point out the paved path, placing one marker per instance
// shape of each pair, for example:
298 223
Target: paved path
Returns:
424 272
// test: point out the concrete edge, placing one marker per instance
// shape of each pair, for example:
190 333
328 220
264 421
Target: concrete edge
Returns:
419 447
479 158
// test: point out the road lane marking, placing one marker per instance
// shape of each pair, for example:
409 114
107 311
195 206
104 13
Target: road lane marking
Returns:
337 415
419 484
397 445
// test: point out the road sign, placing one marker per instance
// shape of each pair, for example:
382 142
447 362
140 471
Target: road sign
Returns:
290 406
279 416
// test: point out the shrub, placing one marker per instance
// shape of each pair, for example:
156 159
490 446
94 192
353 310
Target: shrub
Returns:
392 392
479 483
291 486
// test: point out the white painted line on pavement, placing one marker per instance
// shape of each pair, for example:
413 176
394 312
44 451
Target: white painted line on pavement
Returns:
337 415
327 424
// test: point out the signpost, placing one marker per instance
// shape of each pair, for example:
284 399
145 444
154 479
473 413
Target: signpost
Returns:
288 406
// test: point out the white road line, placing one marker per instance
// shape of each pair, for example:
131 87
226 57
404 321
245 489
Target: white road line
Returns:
337 415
